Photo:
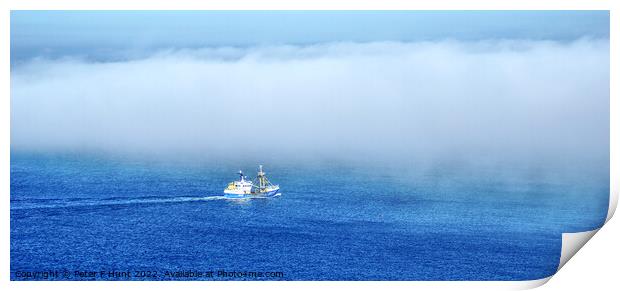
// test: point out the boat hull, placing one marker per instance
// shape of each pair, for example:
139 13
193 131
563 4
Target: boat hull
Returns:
271 193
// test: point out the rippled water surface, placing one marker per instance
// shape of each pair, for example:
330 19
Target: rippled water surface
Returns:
333 221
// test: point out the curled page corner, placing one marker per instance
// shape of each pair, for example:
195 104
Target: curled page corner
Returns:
573 242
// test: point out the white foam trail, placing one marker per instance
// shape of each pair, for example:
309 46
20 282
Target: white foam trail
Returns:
121 201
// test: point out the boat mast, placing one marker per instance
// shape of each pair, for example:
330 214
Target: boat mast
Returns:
261 177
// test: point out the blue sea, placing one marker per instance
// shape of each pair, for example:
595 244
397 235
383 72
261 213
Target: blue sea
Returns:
101 217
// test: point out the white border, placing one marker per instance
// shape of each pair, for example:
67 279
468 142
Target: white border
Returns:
614 103
570 245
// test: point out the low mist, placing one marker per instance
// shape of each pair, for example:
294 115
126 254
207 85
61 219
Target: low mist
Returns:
382 101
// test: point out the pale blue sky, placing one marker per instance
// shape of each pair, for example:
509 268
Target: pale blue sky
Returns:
110 34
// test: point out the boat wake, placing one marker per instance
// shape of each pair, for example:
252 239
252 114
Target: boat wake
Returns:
85 202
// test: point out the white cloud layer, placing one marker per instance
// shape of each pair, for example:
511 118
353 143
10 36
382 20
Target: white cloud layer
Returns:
521 98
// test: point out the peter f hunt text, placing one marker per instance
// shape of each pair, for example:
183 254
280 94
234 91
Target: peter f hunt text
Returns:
142 275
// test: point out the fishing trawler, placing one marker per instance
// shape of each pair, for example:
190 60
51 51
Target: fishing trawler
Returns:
259 188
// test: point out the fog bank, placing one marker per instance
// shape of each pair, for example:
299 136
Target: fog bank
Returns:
383 100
